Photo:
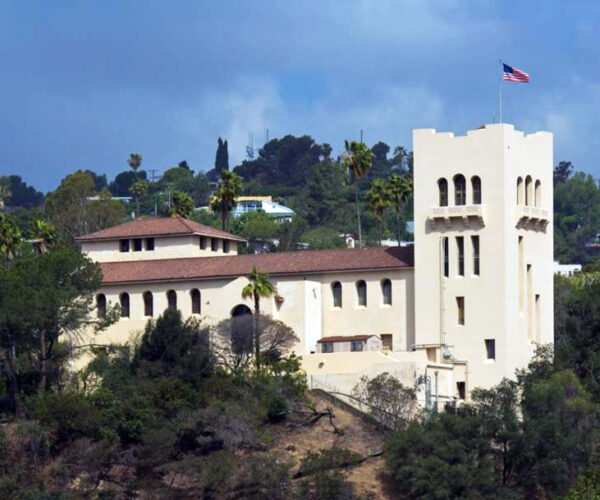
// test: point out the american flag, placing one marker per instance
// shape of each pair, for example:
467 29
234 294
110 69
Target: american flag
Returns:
514 75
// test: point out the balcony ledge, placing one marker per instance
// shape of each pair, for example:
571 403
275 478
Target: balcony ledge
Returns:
466 213
535 216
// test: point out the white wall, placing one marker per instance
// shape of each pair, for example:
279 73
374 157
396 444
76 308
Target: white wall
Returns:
170 247
498 155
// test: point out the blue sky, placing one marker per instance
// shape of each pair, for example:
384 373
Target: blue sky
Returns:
86 83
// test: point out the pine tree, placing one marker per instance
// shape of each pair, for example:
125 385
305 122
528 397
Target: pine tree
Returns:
222 157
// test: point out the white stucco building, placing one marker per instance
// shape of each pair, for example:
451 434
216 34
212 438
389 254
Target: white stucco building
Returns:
463 308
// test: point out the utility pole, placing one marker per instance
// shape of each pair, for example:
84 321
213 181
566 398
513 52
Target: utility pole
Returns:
152 172
361 135
267 136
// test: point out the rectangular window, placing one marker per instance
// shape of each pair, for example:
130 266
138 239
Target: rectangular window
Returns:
387 342
149 244
203 242
521 283
327 347
214 244
461 389
538 319
226 244
529 303
490 349
460 245
475 242
446 256
137 245
356 346
124 245
460 306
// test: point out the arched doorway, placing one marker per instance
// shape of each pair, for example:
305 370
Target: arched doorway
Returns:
241 329
240 310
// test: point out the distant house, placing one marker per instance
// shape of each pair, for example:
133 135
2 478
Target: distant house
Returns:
246 204
353 343
566 269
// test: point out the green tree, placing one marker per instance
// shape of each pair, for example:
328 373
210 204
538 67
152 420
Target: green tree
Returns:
325 193
221 157
139 190
135 161
43 232
379 199
72 210
5 192
256 227
10 237
259 286
359 159
62 284
562 172
224 198
183 205
400 189
321 238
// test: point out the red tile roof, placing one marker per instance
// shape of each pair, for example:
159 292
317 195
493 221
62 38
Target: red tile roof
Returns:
307 261
156 226
350 338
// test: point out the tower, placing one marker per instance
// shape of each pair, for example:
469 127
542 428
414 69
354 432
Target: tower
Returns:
483 248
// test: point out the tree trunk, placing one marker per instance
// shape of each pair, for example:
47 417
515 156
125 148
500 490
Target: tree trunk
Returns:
12 375
137 203
42 386
379 227
256 333
223 219
357 211
398 224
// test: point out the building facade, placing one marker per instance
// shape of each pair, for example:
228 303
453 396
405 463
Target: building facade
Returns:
463 308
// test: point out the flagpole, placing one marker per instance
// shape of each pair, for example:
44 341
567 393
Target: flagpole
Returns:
500 86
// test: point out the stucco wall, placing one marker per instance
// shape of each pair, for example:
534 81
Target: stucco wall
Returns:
307 305
171 247
498 155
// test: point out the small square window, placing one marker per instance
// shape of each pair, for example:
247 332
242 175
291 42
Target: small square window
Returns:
460 306
226 246
356 346
124 245
327 347
490 349
203 242
137 245
214 245
149 243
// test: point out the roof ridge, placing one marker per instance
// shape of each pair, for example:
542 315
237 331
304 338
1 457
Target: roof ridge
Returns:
183 221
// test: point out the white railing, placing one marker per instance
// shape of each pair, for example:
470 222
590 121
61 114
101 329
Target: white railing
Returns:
460 211
534 213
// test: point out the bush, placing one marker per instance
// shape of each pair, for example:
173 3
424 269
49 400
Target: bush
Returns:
72 415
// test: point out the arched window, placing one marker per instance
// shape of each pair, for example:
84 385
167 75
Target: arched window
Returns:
195 296
336 292
476 189
460 190
361 293
520 191
528 191
443 187
101 305
148 304
538 193
172 299
386 291
124 301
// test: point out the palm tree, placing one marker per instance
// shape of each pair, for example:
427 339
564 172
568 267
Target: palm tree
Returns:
224 198
135 162
43 232
139 189
379 198
258 286
183 205
10 237
400 190
5 192
359 159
